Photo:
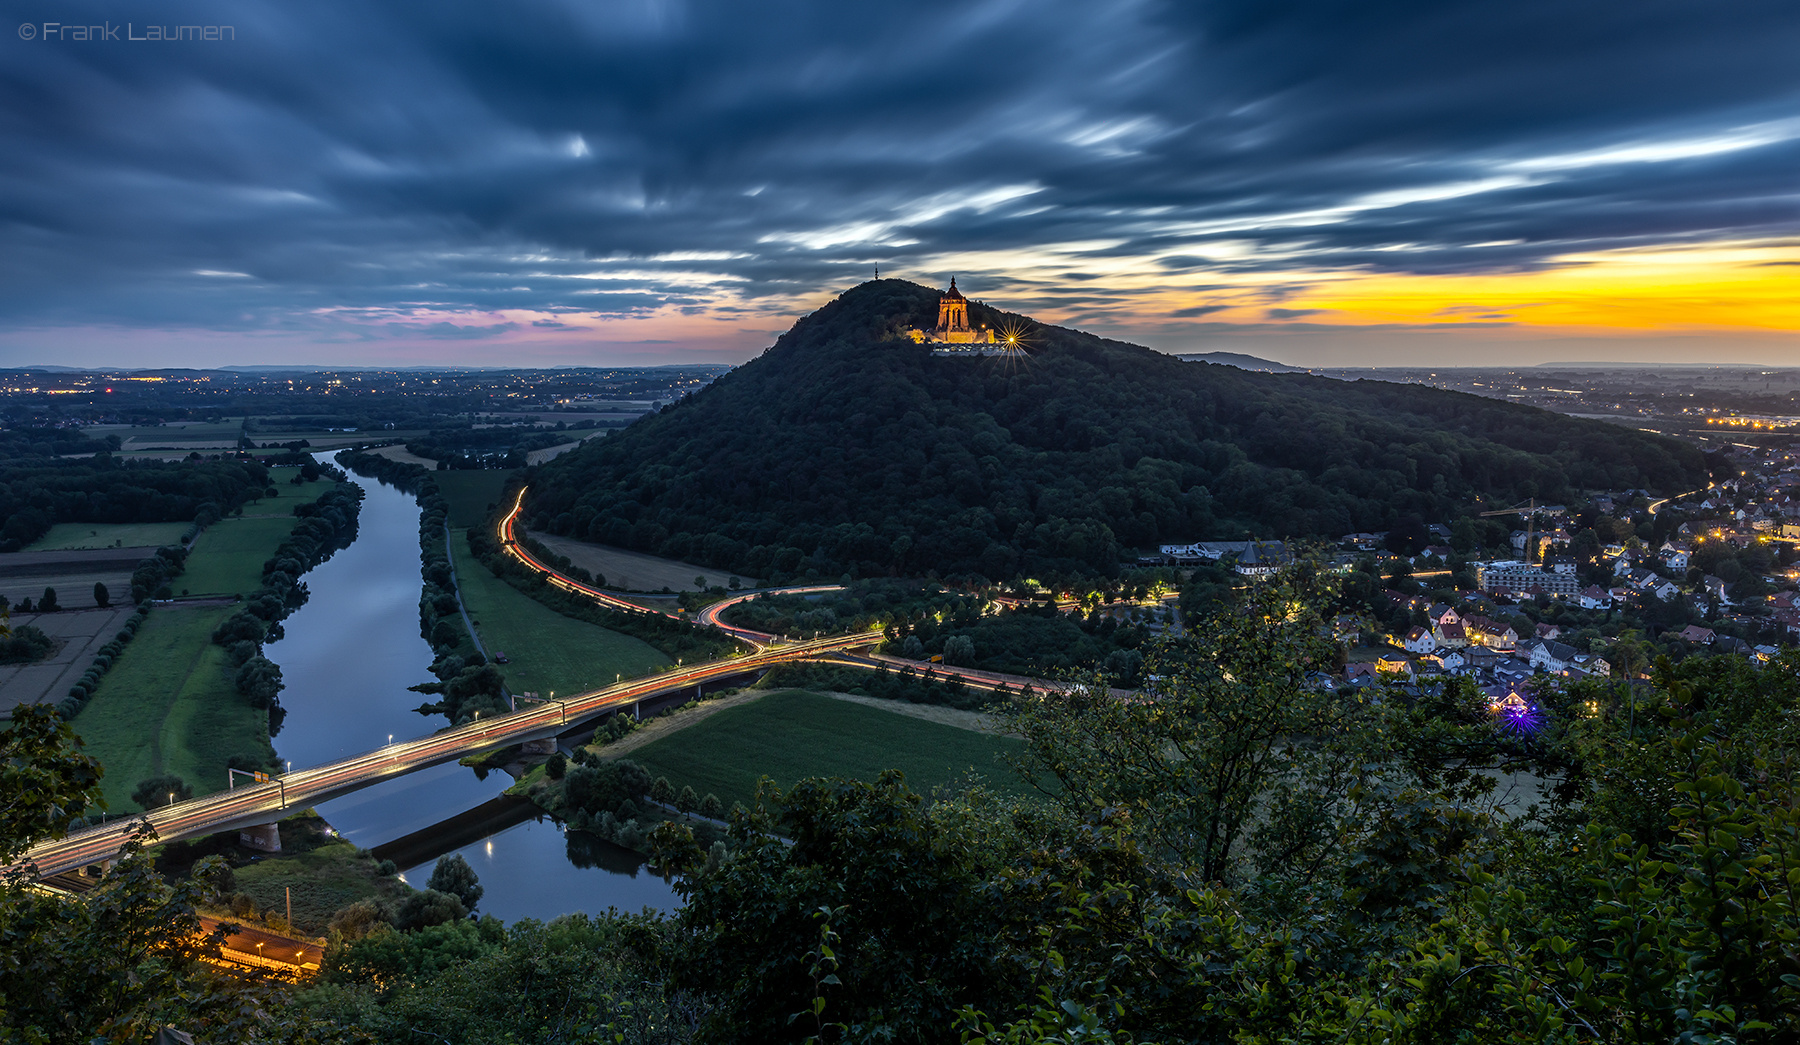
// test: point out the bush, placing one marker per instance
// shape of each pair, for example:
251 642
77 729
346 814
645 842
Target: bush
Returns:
556 766
47 604
27 643
424 909
158 791
102 597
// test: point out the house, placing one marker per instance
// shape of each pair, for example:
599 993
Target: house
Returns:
1547 632
1717 588
1442 551
1391 664
1483 631
1592 664
1440 614
1454 661
1262 558
1548 655
1419 640
1594 597
1666 591
1451 634
1674 558
1359 670
1784 600
1696 634
1561 564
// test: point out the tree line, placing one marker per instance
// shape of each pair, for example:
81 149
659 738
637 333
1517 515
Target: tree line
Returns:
39 489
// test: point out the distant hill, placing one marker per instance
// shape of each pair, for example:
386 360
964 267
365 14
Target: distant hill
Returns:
1241 361
845 447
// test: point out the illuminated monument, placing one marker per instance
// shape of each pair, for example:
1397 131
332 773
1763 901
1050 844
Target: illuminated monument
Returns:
953 331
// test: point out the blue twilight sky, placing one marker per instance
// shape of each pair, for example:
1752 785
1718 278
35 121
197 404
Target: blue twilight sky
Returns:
644 181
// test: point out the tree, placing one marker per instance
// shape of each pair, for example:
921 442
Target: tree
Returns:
158 791
687 801
102 597
259 679
47 604
959 650
428 907
711 807
44 781
453 875
1212 758
662 791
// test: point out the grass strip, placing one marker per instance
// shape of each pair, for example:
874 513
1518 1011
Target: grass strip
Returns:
168 706
545 650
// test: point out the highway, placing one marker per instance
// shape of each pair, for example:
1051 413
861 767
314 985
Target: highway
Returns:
266 803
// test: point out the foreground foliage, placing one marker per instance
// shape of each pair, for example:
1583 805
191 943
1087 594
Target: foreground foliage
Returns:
1229 857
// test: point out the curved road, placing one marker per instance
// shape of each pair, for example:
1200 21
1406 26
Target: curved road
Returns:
267 802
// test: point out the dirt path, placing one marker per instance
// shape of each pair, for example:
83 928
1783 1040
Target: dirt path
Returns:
973 721
658 728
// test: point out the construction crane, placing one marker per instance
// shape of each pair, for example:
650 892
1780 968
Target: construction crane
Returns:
1529 511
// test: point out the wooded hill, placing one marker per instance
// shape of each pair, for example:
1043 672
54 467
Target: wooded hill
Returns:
846 447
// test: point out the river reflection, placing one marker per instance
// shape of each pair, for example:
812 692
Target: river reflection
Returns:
347 659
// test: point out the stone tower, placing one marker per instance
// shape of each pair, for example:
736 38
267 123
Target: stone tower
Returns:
953 317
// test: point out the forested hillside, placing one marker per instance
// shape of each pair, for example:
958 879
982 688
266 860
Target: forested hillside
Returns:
847 448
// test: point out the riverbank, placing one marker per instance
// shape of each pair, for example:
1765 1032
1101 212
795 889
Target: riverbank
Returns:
171 705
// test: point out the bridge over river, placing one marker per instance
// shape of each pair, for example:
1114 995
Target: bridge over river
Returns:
267 803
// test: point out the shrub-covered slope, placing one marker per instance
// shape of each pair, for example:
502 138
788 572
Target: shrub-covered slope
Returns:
847 448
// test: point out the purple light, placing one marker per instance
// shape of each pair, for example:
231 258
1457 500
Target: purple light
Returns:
1518 716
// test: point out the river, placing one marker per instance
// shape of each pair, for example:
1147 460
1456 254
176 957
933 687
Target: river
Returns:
347 658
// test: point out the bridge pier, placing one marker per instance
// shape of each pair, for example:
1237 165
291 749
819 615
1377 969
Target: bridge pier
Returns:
266 837
545 746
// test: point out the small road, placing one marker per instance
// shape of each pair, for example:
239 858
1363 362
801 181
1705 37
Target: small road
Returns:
1656 506
757 639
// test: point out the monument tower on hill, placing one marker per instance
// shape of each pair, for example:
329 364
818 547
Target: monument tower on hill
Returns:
953 323
953 317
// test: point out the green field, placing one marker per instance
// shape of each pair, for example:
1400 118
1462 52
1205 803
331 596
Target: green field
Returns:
470 492
63 536
168 706
791 734
228 557
545 650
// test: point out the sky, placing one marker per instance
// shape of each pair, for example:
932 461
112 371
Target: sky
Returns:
635 182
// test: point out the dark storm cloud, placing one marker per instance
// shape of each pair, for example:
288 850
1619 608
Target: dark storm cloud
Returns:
341 158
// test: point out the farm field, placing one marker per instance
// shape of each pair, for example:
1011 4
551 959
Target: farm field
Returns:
635 571
792 734
168 706
69 536
545 650
227 559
